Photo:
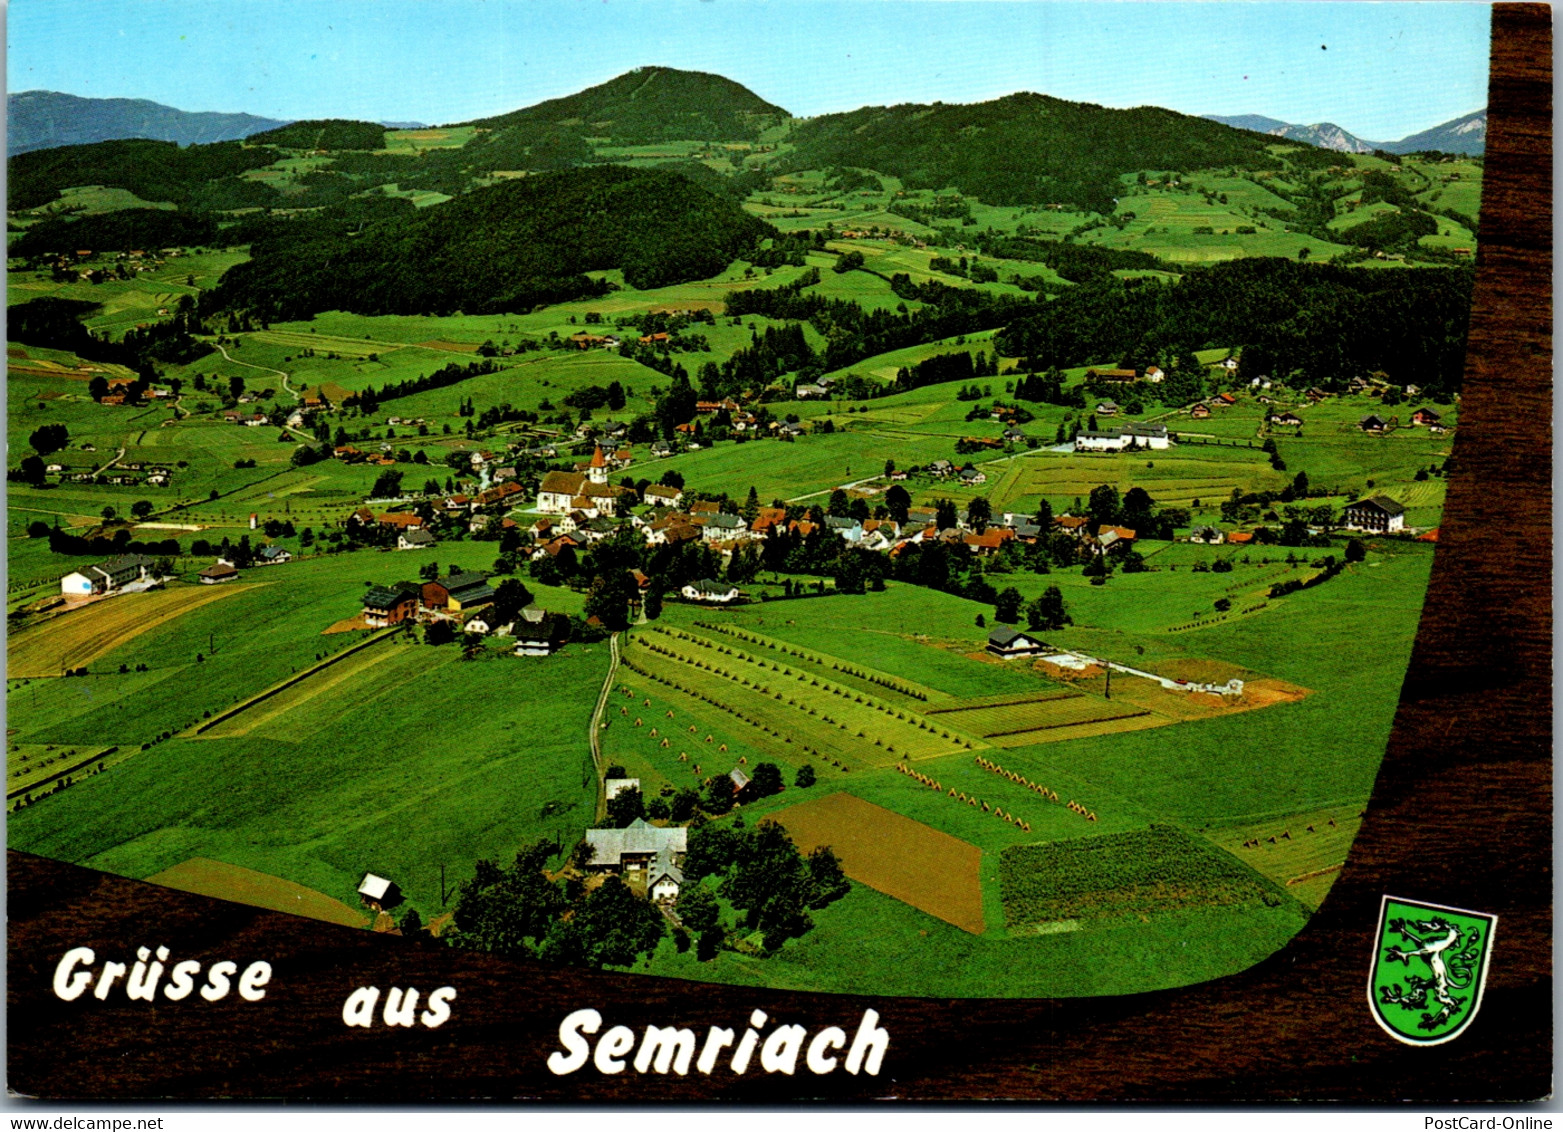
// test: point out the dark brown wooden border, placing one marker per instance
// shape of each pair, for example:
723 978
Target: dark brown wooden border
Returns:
1461 815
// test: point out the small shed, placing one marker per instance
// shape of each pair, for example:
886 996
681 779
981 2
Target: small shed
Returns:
218 573
379 893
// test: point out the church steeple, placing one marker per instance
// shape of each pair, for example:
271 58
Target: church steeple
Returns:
598 471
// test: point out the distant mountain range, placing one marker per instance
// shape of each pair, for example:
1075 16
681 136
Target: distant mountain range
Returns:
43 119
1466 134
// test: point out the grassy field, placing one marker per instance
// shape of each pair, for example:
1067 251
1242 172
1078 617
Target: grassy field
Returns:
1302 851
1319 750
885 366
247 635
246 886
416 141
87 200
860 945
131 302
75 640
908 632
380 776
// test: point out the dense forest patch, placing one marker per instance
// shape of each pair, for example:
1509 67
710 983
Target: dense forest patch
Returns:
153 170
505 248
324 133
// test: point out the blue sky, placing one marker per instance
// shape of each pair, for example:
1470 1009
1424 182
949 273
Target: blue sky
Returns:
1380 70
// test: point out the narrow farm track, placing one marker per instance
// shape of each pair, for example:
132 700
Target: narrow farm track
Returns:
265 369
595 728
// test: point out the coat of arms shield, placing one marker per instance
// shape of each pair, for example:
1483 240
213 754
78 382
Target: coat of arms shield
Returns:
1429 968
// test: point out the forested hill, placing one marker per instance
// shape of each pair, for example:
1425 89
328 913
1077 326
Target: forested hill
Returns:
154 170
652 104
43 119
1025 148
1313 321
325 134
505 248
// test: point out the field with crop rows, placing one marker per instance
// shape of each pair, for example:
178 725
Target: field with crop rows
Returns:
1303 852
1153 871
907 632
1027 721
76 639
779 699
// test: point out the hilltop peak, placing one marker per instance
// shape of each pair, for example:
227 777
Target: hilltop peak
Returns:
651 104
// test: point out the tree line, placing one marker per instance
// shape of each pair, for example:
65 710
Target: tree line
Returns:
1322 323
852 333
368 399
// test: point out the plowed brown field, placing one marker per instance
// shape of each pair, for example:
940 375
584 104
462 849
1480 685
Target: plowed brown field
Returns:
906 859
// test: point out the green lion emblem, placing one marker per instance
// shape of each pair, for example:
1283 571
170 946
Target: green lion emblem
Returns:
1429 967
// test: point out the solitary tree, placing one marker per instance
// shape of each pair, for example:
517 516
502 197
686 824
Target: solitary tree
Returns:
49 438
766 780
697 908
898 501
829 880
1103 504
1007 607
1048 612
719 794
684 805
